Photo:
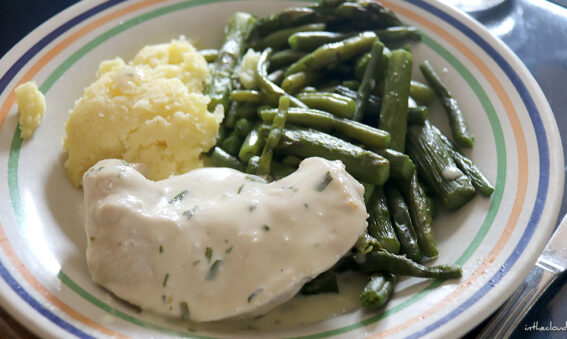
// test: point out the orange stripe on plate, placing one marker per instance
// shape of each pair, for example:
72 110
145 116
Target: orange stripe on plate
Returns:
47 57
522 165
11 254
4 110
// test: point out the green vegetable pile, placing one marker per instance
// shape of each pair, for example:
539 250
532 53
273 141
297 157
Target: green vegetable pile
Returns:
334 80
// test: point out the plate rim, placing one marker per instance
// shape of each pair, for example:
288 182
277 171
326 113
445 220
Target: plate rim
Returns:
80 5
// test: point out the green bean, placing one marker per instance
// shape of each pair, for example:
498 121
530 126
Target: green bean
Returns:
271 90
368 15
321 120
232 143
252 167
239 110
368 191
351 84
210 55
221 135
294 82
246 96
243 127
308 41
378 290
338 71
401 220
398 34
277 76
279 39
372 107
291 161
325 282
287 18
274 137
422 93
401 165
334 53
362 164
331 3
379 222
280 170
360 65
254 142
436 166
333 103
418 114
368 80
366 244
221 158
394 109
478 179
237 31
285 57
382 261
461 134
421 216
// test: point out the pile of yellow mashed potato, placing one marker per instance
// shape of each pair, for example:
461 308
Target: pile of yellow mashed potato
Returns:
31 107
150 111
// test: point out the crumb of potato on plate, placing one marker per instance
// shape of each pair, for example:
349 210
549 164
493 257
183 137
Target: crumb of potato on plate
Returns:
150 111
31 107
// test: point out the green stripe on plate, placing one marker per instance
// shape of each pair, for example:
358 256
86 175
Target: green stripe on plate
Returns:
463 71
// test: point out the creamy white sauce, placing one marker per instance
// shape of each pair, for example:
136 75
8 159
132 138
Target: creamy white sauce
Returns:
451 173
215 243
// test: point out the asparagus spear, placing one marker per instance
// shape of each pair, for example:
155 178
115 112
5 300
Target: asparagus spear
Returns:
274 136
382 261
325 121
365 165
368 82
435 164
378 290
459 126
237 31
394 110
334 53
379 222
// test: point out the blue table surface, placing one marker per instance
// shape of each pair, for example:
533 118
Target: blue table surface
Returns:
536 30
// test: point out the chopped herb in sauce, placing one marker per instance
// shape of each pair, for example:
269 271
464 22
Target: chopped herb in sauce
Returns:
228 250
178 197
196 262
253 205
125 163
160 249
92 238
190 213
266 227
163 298
254 178
213 270
306 205
240 189
325 181
184 310
292 188
165 279
208 254
255 293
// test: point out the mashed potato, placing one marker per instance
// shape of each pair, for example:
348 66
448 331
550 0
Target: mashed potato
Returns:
151 111
31 107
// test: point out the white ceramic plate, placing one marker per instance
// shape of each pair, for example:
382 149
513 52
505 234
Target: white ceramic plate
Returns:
44 281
